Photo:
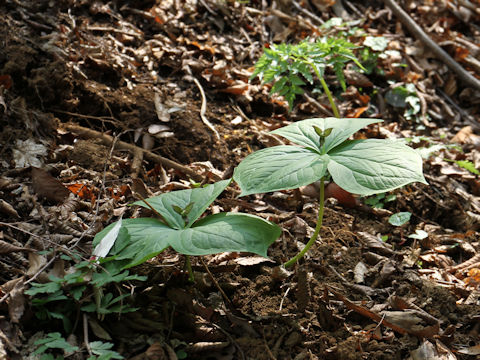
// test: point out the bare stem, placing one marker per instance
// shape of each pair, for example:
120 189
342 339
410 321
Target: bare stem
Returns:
314 237
330 97
188 265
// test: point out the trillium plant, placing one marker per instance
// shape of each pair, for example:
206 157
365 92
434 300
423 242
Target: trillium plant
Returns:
362 167
179 225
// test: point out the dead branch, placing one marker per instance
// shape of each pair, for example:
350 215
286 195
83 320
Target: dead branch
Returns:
107 140
418 32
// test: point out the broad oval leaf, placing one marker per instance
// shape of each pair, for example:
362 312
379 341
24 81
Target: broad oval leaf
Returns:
147 237
372 166
200 197
400 218
279 168
303 132
226 232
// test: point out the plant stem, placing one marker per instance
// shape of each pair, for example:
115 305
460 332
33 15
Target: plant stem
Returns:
327 90
188 265
330 97
317 228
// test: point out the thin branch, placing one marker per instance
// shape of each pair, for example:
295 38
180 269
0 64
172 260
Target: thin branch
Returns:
203 108
107 140
418 32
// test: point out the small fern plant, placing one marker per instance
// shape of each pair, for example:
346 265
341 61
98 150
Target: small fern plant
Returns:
288 65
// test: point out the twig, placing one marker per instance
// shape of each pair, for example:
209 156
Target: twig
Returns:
85 334
418 32
283 298
107 140
320 107
230 338
267 348
217 285
203 108
308 13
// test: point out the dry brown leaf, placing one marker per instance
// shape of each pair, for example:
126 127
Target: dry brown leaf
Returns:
6 248
48 187
466 136
36 262
357 79
8 209
16 303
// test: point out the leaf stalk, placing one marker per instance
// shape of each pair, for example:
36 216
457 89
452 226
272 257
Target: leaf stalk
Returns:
314 237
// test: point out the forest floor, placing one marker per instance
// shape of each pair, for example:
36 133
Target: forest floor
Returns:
95 96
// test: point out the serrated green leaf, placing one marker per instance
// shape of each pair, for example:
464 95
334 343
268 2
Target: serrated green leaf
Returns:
295 80
279 168
46 288
103 350
467 165
279 85
200 197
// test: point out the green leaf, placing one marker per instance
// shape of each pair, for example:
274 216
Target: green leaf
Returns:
361 167
468 165
120 240
279 168
47 288
279 85
54 341
400 218
226 232
147 238
367 167
211 235
376 43
397 96
200 197
303 133
103 349
77 292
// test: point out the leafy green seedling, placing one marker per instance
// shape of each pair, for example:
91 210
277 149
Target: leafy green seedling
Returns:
103 351
400 218
405 97
379 200
53 341
363 167
373 48
467 165
182 228
63 298
285 65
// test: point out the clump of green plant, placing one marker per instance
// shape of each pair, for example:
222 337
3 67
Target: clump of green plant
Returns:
373 48
405 97
82 290
466 164
179 225
287 65
379 200
363 167
55 341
